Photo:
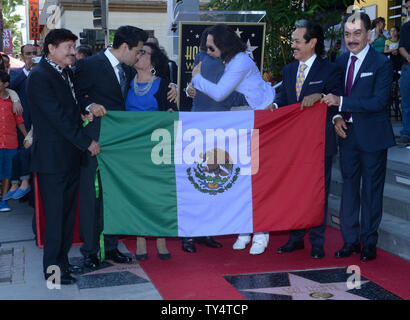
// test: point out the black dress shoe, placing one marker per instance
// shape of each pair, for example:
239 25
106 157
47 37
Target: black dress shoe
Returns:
317 252
348 249
91 261
291 246
209 242
117 256
188 245
368 253
72 268
65 278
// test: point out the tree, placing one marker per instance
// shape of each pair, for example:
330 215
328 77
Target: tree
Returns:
280 19
11 20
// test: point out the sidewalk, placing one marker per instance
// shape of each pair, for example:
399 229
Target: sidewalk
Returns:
21 276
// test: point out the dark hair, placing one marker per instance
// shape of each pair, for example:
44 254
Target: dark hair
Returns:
154 38
204 35
227 41
57 36
158 60
362 16
5 56
27 45
130 35
397 27
85 50
2 65
313 30
4 76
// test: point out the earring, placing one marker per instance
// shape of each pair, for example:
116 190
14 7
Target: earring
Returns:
153 71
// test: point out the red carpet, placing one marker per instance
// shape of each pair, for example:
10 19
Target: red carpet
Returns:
199 276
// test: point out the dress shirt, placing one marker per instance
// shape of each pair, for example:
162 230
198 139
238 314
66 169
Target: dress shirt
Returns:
114 62
309 62
26 72
242 75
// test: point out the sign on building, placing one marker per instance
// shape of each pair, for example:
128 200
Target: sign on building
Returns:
7 41
33 12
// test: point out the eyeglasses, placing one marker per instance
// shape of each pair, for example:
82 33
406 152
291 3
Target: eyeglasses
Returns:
143 52
210 48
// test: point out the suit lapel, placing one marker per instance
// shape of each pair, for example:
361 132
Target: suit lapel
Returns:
311 75
365 64
108 68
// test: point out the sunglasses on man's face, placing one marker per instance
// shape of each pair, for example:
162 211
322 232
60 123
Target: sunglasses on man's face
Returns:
210 48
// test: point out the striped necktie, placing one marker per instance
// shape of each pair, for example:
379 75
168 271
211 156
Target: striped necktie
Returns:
300 79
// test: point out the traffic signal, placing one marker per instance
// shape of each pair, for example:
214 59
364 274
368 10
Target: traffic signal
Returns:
84 39
100 13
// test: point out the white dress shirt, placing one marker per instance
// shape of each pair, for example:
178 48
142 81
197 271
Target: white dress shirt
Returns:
114 62
309 62
242 75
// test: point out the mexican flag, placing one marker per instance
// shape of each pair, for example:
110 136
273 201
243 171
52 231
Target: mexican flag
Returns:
183 174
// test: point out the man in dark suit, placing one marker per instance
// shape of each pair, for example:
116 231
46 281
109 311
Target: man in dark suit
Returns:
101 84
306 81
58 143
365 135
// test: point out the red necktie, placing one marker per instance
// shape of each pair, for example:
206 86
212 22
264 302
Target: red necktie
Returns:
349 84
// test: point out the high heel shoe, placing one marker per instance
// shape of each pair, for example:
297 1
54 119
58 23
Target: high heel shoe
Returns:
141 253
163 252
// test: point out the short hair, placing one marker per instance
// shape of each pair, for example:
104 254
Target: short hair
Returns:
27 45
158 60
227 41
313 30
57 36
85 50
5 56
362 16
129 35
4 76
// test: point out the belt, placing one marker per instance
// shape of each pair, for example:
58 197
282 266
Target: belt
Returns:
349 124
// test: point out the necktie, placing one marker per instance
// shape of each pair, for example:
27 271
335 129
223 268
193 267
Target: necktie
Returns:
349 84
123 80
300 79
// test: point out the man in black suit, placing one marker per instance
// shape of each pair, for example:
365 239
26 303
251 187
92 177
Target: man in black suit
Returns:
58 143
306 81
101 84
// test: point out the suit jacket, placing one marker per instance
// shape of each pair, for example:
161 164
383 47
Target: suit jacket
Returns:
58 138
324 77
18 83
368 101
95 82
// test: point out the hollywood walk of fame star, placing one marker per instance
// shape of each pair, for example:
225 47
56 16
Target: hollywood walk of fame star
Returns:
197 36
238 32
250 49
304 289
134 268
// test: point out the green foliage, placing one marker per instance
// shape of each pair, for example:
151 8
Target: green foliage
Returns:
280 19
11 20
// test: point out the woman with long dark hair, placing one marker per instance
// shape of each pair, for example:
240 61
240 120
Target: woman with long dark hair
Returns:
241 73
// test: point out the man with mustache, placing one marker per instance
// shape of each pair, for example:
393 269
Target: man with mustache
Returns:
365 135
305 81
58 143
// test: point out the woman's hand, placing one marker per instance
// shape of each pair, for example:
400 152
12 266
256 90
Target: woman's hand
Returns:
88 117
172 93
191 92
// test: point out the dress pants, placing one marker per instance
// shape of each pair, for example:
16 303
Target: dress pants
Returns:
317 234
59 193
369 170
91 210
405 101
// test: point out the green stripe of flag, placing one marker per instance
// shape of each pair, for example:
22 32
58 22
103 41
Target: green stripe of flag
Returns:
139 195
